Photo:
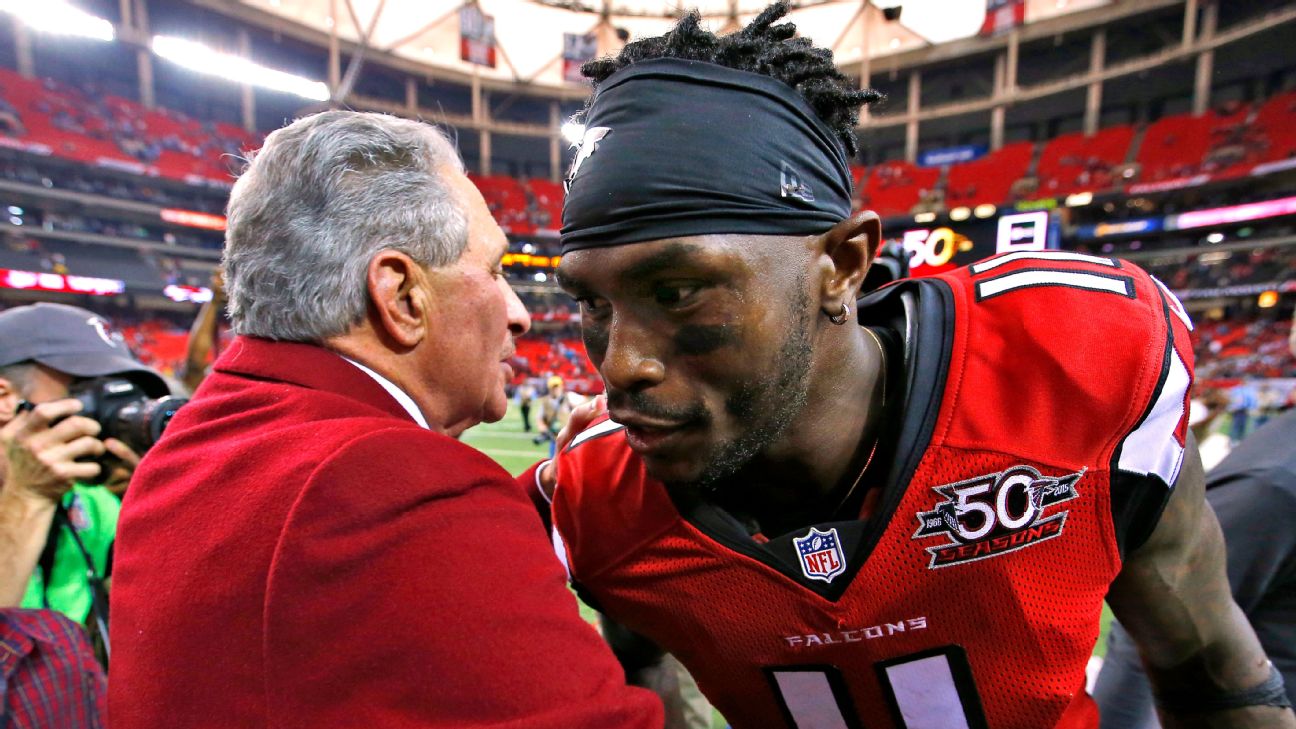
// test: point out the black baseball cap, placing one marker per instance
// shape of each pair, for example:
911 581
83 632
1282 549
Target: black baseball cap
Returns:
73 341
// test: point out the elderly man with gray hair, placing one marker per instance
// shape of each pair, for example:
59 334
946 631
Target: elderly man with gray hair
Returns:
309 545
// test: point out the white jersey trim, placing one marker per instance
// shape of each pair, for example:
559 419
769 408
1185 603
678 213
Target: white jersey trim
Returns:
1035 277
997 261
548 499
607 426
560 549
1152 449
1174 303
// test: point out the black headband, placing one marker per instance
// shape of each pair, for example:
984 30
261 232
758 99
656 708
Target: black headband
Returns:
674 148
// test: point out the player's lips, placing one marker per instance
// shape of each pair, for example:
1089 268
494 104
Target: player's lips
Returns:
646 435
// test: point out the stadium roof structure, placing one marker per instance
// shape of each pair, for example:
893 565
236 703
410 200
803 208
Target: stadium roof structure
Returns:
529 33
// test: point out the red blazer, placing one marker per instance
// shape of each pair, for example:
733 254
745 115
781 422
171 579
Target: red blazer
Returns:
297 552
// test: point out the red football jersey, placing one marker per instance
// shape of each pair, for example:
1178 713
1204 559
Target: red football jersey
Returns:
1043 424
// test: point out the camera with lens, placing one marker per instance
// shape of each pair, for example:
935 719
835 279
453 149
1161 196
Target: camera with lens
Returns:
124 411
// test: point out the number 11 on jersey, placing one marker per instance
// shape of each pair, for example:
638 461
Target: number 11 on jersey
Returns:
928 690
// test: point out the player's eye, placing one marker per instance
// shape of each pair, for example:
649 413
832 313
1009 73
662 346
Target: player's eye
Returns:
593 307
675 295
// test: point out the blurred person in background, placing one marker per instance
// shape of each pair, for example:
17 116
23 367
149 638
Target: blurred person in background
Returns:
1209 427
1253 493
52 452
1244 401
204 336
311 545
1291 336
525 396
555 409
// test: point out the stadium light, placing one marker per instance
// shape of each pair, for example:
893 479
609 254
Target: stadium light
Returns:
925 218
985 210
1267 300
960 214
200 58
1215 238
573 132
60 18
1079 199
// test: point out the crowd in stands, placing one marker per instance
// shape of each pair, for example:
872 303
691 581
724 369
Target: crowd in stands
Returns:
896 187
1224 143
1073 162
84 123
522 207
1219 269
126 229
1230 351
103 182
147 268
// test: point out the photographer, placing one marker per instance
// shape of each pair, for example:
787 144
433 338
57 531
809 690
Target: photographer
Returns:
62 527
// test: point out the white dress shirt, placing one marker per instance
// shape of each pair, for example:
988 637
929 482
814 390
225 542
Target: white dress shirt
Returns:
406 401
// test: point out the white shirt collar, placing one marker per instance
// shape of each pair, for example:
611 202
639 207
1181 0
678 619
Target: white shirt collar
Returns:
406 401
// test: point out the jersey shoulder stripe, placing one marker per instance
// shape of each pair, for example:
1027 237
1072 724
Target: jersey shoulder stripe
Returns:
594 431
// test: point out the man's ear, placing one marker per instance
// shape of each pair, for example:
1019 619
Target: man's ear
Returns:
399 301
845 253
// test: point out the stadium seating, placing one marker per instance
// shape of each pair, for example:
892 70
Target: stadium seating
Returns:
1075 163
1174 147
565 357
549 199
894 188
1230 351
989 179
1274 121
110 131
507 202
114 132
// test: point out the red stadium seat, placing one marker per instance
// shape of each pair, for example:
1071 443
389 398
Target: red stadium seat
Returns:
894 188
1075 163
989 179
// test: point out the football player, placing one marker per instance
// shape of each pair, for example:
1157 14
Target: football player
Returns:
901 511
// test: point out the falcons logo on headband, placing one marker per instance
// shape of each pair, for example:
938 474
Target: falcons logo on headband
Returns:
588 145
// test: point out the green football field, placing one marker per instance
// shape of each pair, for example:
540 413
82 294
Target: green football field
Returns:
512 448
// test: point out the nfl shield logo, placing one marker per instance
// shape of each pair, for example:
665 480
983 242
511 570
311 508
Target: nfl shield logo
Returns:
821 554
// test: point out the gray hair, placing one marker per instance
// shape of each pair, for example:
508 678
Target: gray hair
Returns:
317 202
20 374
